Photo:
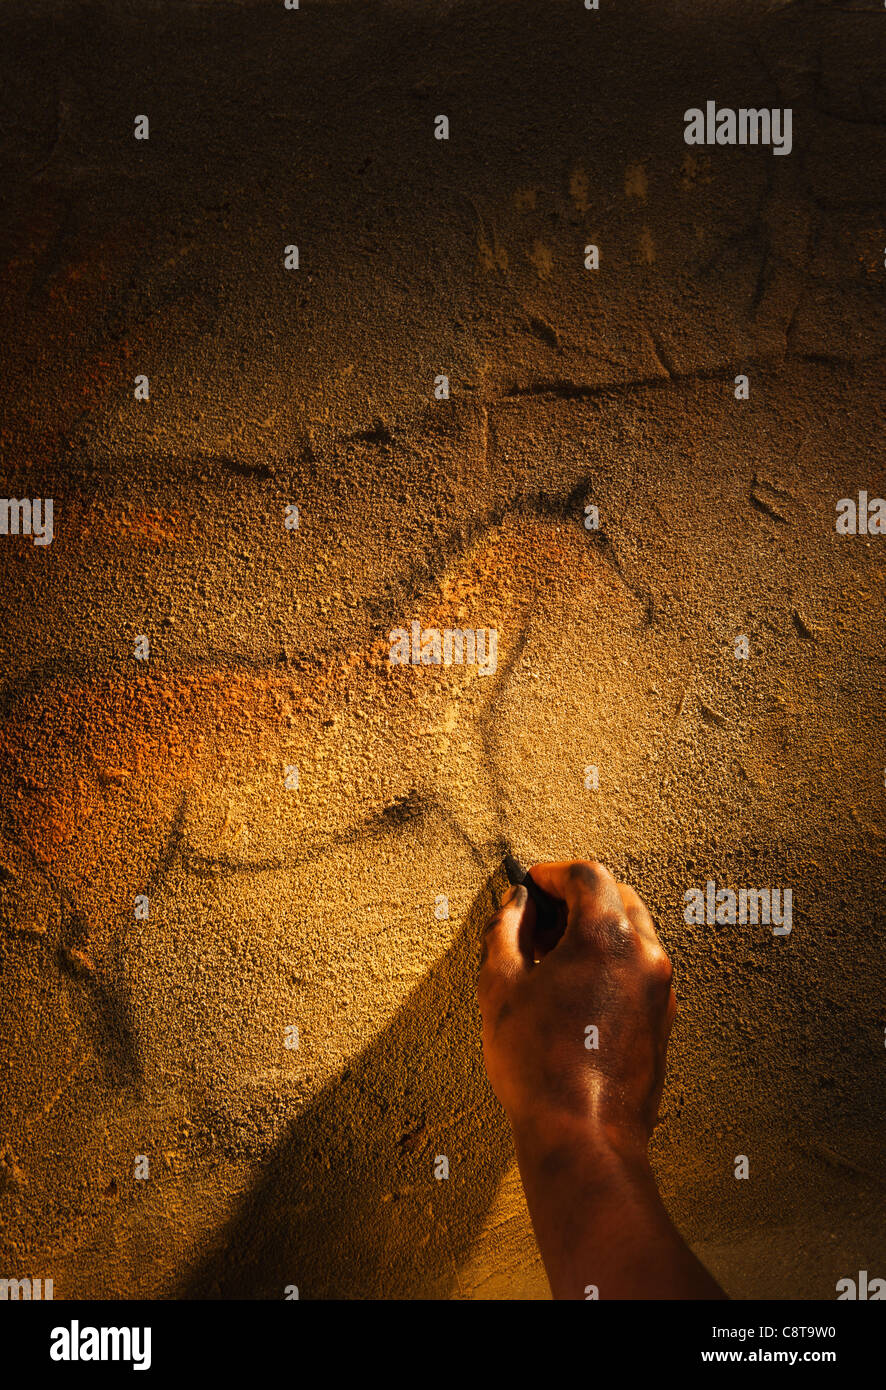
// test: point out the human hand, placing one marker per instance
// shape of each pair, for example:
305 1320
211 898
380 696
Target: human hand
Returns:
542 999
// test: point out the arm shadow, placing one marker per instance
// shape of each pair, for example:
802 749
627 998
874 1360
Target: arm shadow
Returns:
348 1205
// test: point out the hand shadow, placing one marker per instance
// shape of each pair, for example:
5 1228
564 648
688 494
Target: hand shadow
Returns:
348 1205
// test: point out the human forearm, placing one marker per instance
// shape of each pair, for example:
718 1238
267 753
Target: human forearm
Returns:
599 1220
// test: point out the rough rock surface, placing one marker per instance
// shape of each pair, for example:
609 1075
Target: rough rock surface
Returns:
319 907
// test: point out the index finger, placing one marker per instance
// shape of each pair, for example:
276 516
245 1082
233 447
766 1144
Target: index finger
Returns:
586 887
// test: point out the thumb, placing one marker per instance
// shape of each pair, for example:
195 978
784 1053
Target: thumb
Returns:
507 939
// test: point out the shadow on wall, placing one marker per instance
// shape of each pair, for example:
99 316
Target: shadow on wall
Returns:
348 1205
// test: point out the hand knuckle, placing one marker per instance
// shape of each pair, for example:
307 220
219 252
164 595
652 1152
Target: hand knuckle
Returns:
587 872
659 964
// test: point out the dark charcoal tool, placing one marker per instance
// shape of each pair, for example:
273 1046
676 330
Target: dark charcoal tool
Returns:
550 911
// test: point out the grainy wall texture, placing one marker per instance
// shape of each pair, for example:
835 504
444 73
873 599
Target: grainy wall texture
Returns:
322 908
